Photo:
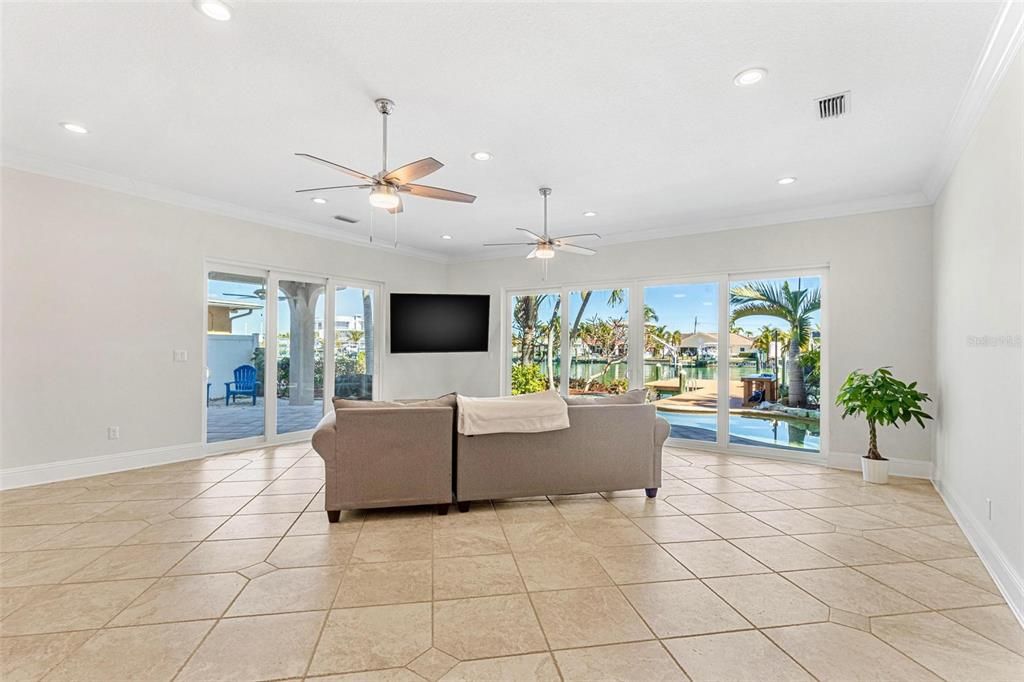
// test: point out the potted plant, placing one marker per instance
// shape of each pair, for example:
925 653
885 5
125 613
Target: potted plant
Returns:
883 400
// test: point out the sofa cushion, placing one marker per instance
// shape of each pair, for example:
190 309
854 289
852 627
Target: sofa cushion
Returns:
447 400
635 397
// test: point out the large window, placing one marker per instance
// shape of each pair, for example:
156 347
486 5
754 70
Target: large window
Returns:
353 343
727 360
776 343
681 357
536 343
599 341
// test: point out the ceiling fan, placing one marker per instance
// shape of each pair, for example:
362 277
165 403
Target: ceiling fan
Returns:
387 186
544 247
260 294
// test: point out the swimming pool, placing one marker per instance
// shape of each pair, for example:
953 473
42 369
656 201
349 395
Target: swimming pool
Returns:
746 430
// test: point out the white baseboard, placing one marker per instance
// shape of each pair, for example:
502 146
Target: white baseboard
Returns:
1005 576
50 472
911 468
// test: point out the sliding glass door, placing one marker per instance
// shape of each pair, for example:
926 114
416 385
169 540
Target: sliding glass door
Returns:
235 348
300 354
259 392
730 361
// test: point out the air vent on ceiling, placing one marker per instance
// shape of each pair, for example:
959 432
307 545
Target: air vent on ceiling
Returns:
346 219
834 106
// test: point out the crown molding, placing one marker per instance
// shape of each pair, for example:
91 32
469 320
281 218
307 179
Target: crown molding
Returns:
798 215
33 163
1004 40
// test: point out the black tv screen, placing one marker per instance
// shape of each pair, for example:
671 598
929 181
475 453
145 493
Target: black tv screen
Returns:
439 323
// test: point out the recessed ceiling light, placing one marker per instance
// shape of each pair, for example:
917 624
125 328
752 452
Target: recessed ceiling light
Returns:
589 214
749 76
446 236
483 156
786 181
318 200
215 9
73 128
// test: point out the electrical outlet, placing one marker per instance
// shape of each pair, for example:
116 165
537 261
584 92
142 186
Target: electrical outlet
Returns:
988 502
181 356
113 432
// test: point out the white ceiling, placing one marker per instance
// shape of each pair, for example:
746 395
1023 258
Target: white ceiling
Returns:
625 109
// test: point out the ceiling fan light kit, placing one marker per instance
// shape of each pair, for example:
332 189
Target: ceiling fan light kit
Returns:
384 196
544 251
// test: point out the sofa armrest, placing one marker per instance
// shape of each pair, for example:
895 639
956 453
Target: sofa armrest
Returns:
323 437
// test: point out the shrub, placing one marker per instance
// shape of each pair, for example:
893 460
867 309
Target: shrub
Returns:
528 379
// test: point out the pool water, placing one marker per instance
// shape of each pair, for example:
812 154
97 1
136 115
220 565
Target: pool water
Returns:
745 430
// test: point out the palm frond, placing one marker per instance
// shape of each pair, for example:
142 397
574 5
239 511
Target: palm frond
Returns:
753 308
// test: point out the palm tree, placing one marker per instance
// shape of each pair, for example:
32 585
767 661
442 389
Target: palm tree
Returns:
355 336
526 322
794 306
368 326
615 297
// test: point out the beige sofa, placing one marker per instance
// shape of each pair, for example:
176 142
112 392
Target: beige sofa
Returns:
386 457
394 455
607 447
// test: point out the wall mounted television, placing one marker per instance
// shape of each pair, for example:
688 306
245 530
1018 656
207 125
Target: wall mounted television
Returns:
439 323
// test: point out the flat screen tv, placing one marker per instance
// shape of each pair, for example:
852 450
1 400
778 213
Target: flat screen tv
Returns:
439 323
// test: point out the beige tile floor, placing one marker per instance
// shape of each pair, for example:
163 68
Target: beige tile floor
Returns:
742 569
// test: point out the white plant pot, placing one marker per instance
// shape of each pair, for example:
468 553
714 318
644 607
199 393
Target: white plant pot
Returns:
875 470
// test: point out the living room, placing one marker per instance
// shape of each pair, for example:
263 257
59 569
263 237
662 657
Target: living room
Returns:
689 348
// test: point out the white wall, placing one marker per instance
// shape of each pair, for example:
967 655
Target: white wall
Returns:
224 353
979 292
100 287
878 289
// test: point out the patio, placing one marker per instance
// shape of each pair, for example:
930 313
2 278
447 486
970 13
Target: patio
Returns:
231 422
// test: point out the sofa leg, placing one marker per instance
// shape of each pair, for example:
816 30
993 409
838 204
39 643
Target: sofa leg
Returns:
463 507
442 509
651 492
334 515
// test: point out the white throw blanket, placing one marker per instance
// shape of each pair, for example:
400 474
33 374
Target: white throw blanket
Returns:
529 413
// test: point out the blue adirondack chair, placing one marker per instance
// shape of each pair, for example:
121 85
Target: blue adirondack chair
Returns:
244 384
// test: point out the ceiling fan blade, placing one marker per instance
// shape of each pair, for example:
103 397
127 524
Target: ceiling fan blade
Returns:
429 192
324 189
575 236
414 171
396 209
532 234
532 254
572 248
240 295
331 164
513 244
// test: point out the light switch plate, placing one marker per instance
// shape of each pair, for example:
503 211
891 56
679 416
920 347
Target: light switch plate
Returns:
181 356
